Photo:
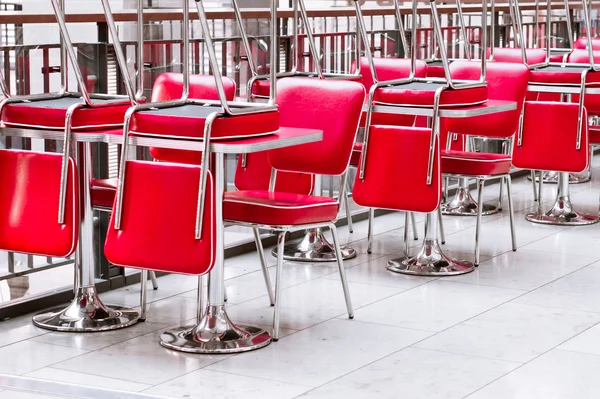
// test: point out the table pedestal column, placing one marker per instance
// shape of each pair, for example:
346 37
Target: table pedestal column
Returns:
430 260
86 313
215 332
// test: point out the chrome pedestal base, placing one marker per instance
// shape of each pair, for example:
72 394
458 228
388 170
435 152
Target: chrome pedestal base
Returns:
552 177
314 247
86 313
463 204
430 261
215 334
562 213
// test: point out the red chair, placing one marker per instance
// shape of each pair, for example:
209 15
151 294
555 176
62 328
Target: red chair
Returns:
506 81
554 136
306 103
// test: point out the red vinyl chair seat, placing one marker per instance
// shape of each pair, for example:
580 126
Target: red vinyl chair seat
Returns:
422 94
278 208
29 202
475 163
549 137
103 192
158 221
558 75
398 157
582 42
50 114
514 55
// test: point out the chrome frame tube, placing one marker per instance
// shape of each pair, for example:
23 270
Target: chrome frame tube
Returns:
401 30
244 36
463 28
311 40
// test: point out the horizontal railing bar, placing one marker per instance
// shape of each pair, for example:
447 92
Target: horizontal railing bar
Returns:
12 17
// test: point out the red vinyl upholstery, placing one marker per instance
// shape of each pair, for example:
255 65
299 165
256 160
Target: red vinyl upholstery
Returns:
103 192
514 55
422 94
506 81
333 106
305 103
159 218
356 151
559 75
594 134
388 69
398 157
256 175
261 89
475 163
435 69
582 43
50 114
277 208
29 203
549 138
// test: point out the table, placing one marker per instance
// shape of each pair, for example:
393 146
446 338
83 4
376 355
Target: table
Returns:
431 260
214 331
86 313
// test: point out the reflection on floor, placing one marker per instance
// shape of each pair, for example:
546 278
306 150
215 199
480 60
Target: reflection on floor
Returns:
525 324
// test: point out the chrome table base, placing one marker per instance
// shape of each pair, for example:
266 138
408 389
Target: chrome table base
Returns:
430 261
574 178
86 313
314 247
215 334
463 204
562 212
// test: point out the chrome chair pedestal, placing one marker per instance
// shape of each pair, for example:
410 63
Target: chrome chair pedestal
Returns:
215 334
562 212
430 261
463 204
314 247
86 313
574 178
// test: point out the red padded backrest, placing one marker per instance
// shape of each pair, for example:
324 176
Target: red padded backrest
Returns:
169 86
513 55
165 241
387 69
581 44
29 202
549 138
505 81
591 101
333 106
397 158
256 175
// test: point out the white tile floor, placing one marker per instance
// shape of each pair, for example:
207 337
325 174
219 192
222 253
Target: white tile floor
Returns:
524 325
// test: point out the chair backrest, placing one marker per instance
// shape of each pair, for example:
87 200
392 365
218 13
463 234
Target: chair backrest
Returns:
166 241
397 159
333 106
506 81
582 44
387 69
591 101
514 54
29 204
169 86
548 138
255 174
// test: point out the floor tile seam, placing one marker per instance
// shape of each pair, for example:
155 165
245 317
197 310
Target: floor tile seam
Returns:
576 351
556 307
23 340
515 362
355 320
85 373
531 360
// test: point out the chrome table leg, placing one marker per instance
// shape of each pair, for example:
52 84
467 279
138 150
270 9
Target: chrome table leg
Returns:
86 313
430 260
463 204
562 212
215 332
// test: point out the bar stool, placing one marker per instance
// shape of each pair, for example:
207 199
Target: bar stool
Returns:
506 81
306 103
554 136
84 118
